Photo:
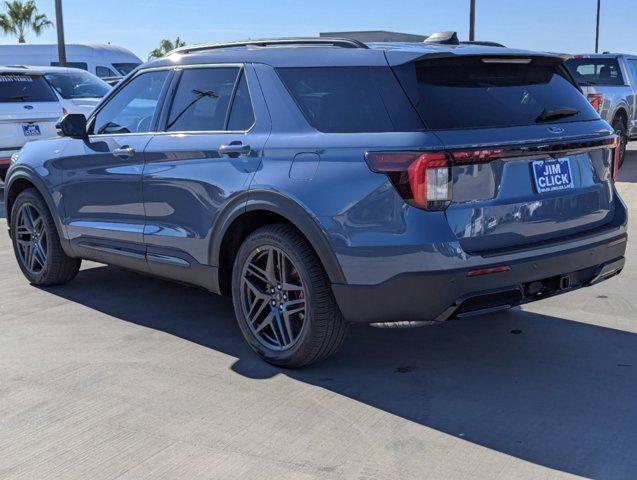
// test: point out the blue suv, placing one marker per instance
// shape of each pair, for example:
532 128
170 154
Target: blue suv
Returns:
321 182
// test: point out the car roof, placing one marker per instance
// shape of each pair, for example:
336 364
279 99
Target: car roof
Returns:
39 70
377 54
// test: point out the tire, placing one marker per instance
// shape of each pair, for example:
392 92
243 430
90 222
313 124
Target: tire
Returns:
620 129
47 264
280 334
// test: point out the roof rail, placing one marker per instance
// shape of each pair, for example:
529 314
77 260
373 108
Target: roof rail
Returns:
274 42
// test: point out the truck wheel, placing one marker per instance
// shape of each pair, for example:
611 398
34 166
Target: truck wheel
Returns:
283 300
620 130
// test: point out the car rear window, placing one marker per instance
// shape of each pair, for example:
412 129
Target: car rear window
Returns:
477 92
25 88
595 71
77 85
351 99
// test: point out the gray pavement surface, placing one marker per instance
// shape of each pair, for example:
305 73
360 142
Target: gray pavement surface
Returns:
122 376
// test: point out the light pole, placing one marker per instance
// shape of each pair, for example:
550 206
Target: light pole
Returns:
472 20
597 29
60 28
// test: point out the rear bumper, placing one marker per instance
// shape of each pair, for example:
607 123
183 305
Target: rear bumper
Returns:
443 295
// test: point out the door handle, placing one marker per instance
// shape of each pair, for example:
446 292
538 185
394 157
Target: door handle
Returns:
235 148
124 152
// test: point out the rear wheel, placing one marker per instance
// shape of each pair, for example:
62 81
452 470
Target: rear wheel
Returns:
620 130
283 300
36 243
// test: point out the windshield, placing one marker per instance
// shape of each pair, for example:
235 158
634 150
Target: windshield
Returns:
595 71
25 88
126 68
473 92
77 85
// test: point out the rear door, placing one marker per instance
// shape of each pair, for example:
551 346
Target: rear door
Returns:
215 127
29 110
531 159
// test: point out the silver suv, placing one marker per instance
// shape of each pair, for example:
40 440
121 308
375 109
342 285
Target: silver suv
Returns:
609 81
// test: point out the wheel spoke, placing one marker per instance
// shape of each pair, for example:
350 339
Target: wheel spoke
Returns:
267 321
270 268
257 272
27 219
288 325
294 306
38 255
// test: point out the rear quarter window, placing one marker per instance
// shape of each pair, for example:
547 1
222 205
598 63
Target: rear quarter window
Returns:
470 92
25 88
595 71
351 99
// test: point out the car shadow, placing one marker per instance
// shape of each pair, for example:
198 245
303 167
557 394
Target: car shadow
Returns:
550 391
628 172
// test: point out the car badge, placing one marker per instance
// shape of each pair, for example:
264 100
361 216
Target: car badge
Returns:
29 107
555 130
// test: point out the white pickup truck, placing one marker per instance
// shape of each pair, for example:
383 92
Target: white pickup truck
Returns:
609 80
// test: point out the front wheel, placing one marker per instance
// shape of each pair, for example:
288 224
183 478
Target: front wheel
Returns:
620 130
283 300
36 243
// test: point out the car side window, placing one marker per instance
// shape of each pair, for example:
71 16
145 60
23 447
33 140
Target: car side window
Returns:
241 113
633 71
131 110
202 99
104 72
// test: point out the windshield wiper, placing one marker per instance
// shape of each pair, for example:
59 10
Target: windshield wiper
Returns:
22 98
556 113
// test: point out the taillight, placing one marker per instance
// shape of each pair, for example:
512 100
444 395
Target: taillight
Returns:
616 156
422 179
476 156
596 100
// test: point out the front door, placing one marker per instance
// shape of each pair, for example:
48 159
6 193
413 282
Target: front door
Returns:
102 184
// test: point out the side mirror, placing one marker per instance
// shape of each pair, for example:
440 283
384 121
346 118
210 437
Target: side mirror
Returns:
72 125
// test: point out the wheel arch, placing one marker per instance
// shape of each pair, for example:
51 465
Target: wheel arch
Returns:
260 208
622 113
24 179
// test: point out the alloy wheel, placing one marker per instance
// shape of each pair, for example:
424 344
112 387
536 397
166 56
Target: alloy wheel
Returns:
273 298
31 238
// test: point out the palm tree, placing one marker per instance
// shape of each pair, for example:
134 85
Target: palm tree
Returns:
166 46
22 17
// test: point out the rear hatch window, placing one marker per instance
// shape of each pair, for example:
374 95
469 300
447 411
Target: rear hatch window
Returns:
24 88
351 99
478 92
595 71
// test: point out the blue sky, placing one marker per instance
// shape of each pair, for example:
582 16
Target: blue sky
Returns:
556 25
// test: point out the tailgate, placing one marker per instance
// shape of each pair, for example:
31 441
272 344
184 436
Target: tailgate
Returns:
516 195
19 125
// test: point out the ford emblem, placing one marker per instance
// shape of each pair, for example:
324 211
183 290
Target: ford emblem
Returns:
556 130
29 107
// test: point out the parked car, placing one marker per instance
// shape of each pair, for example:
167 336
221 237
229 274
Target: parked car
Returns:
321 182
609 81
78 90
99 59
29 109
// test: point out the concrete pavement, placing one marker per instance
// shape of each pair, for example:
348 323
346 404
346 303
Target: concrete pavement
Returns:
121 376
